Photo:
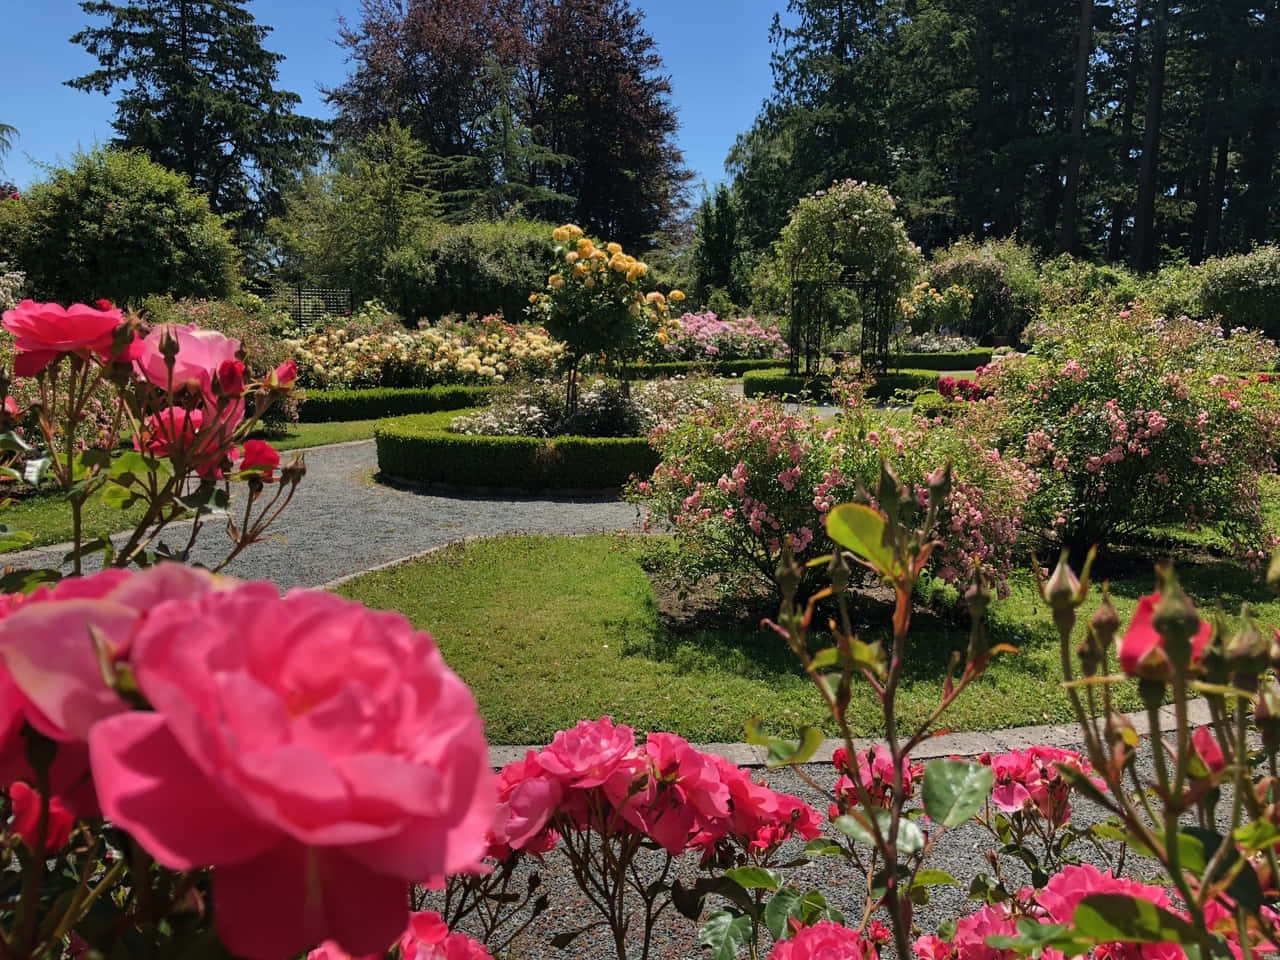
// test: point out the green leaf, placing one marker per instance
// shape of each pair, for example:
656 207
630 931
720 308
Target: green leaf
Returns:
860 529
724 934
781 907
1257 836
12 443
784 753
1111 917
934 878
910 837
824 659
118 497
14 539
822 847
755 878
955 790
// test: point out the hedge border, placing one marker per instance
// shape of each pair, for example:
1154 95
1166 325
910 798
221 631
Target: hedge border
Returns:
716 368
817 389
419 449
959 360
326 406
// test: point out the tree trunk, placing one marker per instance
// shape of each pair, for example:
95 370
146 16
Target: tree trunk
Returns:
1213 230
1144 226
1084 51
1119 212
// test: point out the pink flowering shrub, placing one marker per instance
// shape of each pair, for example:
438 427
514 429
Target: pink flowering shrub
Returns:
706 337
1135 422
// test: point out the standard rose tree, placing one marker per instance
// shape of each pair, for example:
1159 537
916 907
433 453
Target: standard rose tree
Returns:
184 398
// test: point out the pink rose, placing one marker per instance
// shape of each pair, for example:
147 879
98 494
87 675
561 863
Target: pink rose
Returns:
42 332
589 754
527 800
319 756
1142 648
201 354
284 376
202 440
261 456
1208 750
230 378
426 939
825 941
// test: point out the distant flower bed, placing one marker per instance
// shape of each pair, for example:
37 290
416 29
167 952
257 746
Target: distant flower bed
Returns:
704 336
488 352
939 342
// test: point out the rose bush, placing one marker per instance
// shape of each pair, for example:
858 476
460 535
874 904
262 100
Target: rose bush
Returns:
1133 422
706 337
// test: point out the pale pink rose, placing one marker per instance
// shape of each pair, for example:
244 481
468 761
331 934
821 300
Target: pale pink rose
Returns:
42 332
319 756
201 353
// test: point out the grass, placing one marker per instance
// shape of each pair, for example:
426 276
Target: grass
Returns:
300 435
549 630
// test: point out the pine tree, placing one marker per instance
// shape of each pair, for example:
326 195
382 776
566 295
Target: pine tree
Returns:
199 96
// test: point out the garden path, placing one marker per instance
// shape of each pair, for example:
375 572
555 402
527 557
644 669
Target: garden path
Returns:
341 522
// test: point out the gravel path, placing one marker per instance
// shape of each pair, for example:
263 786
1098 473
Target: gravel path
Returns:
341 522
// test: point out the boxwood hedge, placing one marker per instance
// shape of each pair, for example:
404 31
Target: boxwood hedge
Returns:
322 406
817 389
683 368
421 449
960 360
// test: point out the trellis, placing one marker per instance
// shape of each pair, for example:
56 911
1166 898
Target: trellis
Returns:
812 318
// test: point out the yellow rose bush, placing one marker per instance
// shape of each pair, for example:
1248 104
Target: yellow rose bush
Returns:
596 302
490 352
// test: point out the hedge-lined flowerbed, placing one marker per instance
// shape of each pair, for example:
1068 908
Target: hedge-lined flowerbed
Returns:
962 360
817 389
421 449
715 368
323 406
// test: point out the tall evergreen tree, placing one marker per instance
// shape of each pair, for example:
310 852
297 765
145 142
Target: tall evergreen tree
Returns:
199 97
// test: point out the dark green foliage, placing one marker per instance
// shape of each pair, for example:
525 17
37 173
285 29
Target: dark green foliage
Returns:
1244 290
930 405
967 360
421 449
684 368
817 389
471 268
325 406
116 225
1004 281
200 98
720 269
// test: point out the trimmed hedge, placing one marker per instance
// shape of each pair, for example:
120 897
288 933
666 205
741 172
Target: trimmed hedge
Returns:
778 383
961 360
420 449
716 368
323 406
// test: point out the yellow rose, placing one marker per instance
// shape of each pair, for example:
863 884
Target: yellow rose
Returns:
560 235
676 295
575 231
614 247
655 296
533 298
572 257
555 281
579 270
585 247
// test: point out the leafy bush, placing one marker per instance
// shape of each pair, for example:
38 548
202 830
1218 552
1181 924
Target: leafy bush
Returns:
1244 290
114 225
1066 282
13 285
422 449
683 368
930 405
956 360
604 409
927 308
481 268
322 406
704 336
817 389
1002 277
739 482
1136 421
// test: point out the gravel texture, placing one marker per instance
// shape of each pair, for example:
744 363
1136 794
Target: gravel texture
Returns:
341 522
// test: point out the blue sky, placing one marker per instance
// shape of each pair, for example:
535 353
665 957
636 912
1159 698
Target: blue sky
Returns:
717 52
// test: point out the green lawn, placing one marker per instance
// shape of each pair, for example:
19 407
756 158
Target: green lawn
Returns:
548 631
318 434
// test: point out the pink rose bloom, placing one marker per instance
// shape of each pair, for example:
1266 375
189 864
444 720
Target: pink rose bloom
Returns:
284 376
1064 891
527 800
261 456
51 677
930 947
825 941
1142 648
1208 749
201 353
426 939
196 436
42 332
26 820
589 754
319 756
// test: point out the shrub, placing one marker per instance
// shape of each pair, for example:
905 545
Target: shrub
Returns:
683 368
320 406
114 225
739 482
927 308
956 360
13 285
481 268
930 405
1244 290
422 449
704 336
817 389
1002 277
1066 282
1135 422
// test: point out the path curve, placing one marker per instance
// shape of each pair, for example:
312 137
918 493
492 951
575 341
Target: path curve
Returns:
341 522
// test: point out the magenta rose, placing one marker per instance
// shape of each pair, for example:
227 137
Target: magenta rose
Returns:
319 756
428 938
201 355
201 439
42 332
1142 652
261 457
825 941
